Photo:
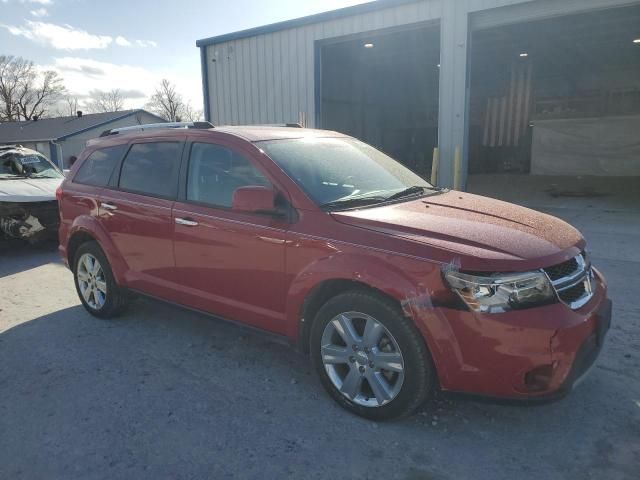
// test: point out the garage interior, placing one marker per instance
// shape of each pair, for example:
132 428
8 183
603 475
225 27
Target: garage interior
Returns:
558 97
383 89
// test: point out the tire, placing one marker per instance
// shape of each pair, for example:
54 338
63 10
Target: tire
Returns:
409 379
108 300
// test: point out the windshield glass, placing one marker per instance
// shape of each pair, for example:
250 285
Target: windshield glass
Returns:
333 170
26 165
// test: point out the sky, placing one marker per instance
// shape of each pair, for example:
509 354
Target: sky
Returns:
133 44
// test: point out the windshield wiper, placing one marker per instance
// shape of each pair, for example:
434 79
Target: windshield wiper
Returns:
351 202
408 192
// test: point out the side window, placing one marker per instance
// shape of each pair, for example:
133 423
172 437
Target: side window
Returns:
152 169
98 167
215 172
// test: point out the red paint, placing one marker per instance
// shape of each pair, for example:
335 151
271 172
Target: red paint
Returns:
259 269
254 200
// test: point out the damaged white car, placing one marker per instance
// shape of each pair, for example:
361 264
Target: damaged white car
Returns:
28 205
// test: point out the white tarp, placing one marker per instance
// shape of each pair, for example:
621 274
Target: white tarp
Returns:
606 146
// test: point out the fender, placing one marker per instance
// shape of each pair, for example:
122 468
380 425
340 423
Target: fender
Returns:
91 226
370 270
395 276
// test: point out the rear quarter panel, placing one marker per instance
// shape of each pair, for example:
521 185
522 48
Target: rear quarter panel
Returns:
79 215
79 210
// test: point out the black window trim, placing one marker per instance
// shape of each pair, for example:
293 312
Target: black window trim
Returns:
184 176
115 166
114 183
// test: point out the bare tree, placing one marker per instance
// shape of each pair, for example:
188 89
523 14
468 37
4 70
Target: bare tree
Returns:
189 114
167 102
24 92
67 106
12 71
38 93
72 105
112 101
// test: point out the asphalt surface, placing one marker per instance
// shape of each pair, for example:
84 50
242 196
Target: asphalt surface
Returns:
163 393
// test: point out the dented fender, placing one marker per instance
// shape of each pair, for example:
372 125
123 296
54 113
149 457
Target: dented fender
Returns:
358 268
397 276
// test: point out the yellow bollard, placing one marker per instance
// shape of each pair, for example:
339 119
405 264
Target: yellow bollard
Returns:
457 172
434 166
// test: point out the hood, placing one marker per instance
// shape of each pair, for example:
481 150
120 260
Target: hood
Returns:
478 227
29 190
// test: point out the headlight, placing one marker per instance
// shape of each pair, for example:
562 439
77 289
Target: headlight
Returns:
501 292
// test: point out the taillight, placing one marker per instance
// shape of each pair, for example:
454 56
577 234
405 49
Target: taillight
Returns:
58 194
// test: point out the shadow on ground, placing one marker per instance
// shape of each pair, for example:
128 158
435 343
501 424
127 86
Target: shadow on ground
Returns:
16 257
165 393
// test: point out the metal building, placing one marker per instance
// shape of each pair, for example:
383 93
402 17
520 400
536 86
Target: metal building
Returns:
411 75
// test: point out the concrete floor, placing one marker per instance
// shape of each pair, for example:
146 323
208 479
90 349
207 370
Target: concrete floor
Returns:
165 393
553 192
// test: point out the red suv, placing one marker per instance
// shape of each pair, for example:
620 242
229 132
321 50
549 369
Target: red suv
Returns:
393 286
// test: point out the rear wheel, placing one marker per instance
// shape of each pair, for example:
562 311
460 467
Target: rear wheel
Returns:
370 358
95 284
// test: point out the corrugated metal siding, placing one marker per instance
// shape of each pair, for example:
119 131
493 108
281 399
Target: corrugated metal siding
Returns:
538 9
270 78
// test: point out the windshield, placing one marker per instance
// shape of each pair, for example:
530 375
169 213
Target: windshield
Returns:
334 171
26 165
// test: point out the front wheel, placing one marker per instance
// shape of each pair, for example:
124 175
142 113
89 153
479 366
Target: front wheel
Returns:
370 358
95 284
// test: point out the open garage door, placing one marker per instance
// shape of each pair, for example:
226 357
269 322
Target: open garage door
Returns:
383 89
558 97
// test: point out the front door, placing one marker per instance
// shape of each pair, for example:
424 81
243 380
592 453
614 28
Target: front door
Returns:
229 263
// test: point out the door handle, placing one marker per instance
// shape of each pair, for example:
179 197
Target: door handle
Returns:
108 206
186 222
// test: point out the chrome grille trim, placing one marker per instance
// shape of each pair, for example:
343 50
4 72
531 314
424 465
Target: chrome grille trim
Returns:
583 274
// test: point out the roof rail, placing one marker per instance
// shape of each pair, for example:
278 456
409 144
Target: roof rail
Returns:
276 125
158 126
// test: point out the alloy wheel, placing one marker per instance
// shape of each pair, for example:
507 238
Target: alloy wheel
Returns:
362 359
92 282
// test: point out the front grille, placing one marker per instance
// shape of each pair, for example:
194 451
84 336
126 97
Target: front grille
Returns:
562 269
572 294
572 281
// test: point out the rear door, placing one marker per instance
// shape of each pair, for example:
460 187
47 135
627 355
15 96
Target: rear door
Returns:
82 192
136 211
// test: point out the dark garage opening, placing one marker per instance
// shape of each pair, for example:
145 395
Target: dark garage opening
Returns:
558 97
383 89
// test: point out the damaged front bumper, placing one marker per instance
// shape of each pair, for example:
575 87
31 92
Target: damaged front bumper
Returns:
30 221
533 354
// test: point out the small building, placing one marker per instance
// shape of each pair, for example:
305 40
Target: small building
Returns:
61 138
527 87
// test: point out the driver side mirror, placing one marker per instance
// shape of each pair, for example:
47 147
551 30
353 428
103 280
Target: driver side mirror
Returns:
255 199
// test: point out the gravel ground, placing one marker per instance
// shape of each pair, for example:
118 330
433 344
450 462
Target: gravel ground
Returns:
164 393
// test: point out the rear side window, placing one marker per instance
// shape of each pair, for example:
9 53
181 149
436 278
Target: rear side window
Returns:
152 169
216 172
98 167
